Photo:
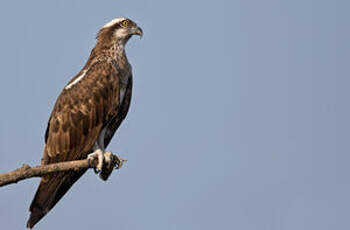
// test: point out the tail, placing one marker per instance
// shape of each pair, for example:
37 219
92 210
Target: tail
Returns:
51 189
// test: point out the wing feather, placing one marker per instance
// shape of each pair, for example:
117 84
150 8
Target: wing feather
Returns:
81 112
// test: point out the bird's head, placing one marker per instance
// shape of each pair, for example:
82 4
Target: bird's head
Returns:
119 30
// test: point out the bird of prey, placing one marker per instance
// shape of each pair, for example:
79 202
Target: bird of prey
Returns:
87 113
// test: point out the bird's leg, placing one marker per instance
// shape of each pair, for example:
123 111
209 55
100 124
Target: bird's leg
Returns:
99 154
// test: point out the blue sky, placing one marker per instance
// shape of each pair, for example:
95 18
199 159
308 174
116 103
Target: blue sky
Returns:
239 117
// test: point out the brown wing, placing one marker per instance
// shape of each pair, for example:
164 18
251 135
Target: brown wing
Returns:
79 114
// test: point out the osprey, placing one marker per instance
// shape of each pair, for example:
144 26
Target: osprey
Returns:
87 113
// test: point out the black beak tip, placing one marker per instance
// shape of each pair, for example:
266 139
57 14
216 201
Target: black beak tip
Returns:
139 32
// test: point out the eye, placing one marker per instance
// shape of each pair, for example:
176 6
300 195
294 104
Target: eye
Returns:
125 23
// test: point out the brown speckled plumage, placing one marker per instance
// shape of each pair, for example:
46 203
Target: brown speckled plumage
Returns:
82 110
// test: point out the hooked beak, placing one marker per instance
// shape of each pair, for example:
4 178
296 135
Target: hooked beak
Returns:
138 31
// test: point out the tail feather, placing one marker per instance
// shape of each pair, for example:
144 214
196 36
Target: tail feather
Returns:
49 192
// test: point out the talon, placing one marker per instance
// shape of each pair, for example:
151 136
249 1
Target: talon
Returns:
120 162
91 160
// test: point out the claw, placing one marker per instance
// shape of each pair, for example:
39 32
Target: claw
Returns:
108 165
106 162
120 162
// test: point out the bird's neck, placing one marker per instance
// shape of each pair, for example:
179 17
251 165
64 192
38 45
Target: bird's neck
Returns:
108 52
119 49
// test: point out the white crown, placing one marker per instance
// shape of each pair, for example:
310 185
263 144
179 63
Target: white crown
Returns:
113 22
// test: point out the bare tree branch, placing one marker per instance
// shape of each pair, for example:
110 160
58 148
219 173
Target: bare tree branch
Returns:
26 171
